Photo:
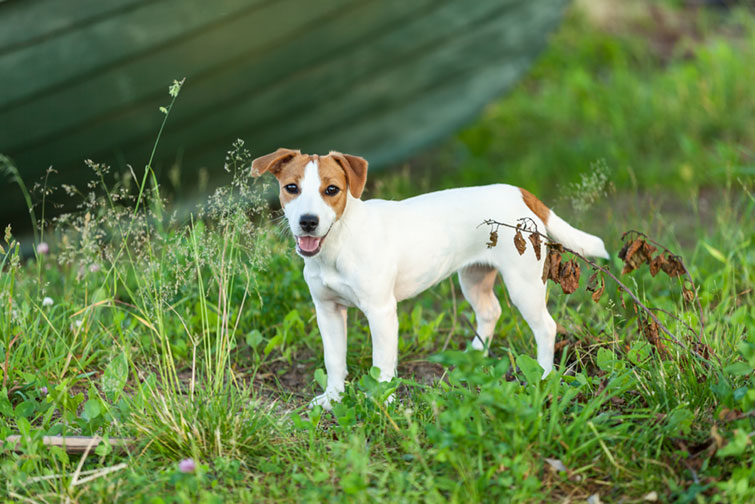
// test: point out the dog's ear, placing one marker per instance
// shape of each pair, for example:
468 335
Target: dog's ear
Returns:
272 162
356 171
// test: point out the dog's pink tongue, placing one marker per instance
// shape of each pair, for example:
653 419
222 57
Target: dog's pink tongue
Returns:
308 243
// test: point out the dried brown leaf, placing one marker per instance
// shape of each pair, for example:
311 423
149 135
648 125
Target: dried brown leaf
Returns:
673 266
519 242
554 263
657 263
592 282
689 294
702 349
535 239
568 276
623 252
618 401
648 249
556 465
555 247
628 251
493 239
650 331
638 252
717 438
598 293
650 328
546 267
726 415
597 285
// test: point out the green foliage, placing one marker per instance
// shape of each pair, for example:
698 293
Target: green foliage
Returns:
656 101
193 332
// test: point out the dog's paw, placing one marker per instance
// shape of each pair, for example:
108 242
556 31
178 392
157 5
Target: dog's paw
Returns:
477 344
391 399
326 400
546 372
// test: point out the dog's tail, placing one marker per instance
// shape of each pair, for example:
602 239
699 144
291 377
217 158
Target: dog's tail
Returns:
571 237
562 232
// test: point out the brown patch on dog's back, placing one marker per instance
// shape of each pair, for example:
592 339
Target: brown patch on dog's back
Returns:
332 173
537 206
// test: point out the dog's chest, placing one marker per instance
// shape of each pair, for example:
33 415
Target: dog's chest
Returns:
328 283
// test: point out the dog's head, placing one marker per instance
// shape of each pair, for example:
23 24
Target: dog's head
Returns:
314 191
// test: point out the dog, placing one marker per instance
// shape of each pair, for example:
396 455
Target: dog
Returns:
372 254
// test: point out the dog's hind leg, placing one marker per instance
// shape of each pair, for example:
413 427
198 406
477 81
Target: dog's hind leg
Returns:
527 292
477 283
383 321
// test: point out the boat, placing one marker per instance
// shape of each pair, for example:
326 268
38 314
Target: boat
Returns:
85 79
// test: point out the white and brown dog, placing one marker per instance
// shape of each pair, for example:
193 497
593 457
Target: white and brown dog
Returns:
373 254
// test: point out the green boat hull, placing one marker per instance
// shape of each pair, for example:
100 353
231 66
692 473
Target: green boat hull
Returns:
84 79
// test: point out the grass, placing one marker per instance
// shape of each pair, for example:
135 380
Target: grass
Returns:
197 337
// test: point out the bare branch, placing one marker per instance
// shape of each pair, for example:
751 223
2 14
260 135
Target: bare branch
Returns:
686 272
531 227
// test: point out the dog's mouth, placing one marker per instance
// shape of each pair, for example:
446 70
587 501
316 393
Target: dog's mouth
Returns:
309 245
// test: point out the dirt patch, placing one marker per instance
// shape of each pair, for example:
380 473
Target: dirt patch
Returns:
424 372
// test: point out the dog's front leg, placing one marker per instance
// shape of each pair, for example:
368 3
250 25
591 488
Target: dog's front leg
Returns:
331 319
384 329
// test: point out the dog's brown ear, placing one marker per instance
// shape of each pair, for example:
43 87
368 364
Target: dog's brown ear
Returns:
272 162
356 171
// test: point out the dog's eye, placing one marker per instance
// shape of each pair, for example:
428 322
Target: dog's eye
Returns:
292 188
331 190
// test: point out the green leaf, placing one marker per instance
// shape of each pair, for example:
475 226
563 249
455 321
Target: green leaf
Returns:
59 454
737 446
738 369
530 368
254 338
717 254
115 376
92 409
375 373
607 360
748 352
103 448
24 427
292 319
639 352
100 295
416 316
6 409
26 409
321 378
680 421
274 342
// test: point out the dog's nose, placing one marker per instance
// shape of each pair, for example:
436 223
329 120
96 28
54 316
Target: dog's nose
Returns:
308 222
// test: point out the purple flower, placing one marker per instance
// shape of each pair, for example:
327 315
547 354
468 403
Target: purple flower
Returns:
43 248
43 391
187 466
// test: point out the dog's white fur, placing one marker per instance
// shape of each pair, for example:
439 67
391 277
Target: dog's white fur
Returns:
381 252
